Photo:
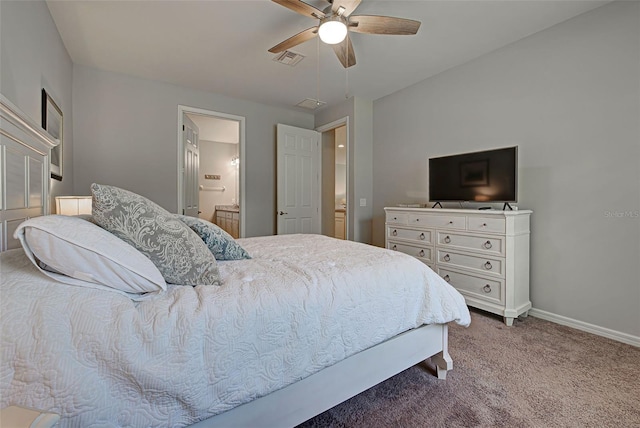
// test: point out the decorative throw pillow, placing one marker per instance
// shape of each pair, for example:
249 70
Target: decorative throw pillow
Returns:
220 243
78 252
178 253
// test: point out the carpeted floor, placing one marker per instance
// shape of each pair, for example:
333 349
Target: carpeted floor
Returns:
534 374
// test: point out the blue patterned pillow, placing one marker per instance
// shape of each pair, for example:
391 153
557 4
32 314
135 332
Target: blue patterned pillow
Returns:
178 253
220 243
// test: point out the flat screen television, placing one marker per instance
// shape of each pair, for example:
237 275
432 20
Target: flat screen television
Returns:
487 176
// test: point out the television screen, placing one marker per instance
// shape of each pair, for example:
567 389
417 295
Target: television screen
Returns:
487 176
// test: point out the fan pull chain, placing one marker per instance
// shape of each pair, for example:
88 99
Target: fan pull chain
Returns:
318 72
346 71
346 86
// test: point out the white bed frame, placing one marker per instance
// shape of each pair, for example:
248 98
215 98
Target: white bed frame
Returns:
294 404
24 193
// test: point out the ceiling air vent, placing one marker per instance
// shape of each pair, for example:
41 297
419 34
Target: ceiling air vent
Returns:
289 58
311 104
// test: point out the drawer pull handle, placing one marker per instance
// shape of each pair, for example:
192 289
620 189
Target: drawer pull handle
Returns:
447 239
484 224
446 278
486 288
446 258
450 221
421 253
417 219
395 248
487 245
421 236
488 266
394 233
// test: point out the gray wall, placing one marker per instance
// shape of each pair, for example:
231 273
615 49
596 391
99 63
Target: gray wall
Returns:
360 171
32 57
569 97
126 129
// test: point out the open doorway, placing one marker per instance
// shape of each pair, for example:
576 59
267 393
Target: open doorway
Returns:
340 199
335 188
216 181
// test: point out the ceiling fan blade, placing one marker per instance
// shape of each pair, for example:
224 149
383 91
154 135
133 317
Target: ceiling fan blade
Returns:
348 5
370 24
344 52
301 7
301 37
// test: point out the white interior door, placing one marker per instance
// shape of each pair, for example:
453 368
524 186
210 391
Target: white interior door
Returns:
191 167
298 182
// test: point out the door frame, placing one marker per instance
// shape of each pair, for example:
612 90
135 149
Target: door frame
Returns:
328 127
182 109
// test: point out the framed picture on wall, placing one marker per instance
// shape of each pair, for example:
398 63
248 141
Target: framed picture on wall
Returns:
52 122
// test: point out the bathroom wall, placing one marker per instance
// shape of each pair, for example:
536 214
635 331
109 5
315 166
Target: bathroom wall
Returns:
215 159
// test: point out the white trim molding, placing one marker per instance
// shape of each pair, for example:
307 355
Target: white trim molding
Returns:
589 328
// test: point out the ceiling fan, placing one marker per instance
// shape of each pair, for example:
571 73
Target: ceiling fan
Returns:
336 21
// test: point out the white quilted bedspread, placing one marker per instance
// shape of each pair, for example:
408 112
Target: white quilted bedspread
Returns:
302 303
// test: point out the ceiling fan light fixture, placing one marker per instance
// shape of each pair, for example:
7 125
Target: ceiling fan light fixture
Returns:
336 21
333 30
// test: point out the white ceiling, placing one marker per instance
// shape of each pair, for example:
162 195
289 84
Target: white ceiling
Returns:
221 45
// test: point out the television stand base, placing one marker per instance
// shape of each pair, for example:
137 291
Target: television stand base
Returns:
437 203
506 204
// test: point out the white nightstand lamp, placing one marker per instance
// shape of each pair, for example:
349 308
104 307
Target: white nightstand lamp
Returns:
73 205
22 417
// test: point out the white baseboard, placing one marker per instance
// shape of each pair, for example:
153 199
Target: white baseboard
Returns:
589 328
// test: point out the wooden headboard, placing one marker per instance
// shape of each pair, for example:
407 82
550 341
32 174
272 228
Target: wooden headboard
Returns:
24 171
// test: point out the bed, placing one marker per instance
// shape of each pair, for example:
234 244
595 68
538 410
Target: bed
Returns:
304 324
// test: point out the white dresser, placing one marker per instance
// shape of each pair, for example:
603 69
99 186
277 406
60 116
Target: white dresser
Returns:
483 254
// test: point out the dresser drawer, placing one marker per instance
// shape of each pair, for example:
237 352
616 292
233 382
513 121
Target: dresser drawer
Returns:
437 220
486 224
487 244
490 290
396 218
482 265
423 236
423 253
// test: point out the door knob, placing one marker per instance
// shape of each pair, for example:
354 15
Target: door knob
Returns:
282 213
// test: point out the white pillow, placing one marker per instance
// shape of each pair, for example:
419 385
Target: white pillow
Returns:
77 252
